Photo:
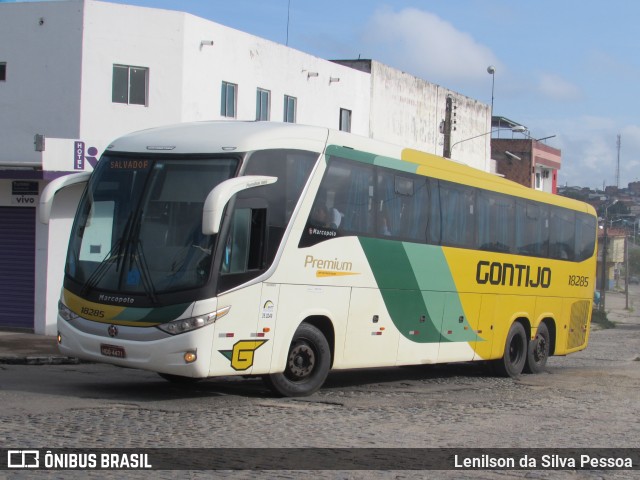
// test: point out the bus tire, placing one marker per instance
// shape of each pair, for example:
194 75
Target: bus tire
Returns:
538 351
308 364
515 352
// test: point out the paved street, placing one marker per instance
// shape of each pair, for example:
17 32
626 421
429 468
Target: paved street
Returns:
589 399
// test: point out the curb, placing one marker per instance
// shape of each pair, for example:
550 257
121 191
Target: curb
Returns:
38 360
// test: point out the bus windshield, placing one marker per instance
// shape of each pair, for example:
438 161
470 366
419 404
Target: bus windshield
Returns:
138 230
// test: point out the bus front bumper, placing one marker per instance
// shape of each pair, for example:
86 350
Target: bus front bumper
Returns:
187 354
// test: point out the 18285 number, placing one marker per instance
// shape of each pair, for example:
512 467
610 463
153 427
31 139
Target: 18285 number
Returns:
578 281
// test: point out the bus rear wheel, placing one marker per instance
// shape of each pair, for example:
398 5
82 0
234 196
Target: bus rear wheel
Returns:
515 352
308 364
538 352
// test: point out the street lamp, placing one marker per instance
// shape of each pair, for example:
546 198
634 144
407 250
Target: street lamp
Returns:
491 70
516 129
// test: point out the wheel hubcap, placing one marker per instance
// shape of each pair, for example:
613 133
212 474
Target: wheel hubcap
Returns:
301 362
541 348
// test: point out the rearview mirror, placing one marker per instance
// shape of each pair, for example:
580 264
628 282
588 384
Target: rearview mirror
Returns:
53 187
222 193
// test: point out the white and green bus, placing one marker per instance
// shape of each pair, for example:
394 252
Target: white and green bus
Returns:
285 251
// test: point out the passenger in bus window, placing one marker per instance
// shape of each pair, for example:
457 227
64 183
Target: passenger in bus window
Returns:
383 222
335 218
321 216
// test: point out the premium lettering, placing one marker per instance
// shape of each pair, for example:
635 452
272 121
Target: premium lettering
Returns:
334 264
512 275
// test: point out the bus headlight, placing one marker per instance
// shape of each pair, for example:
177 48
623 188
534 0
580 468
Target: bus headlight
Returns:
184 325
65 312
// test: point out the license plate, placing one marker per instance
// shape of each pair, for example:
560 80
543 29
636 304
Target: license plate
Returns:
112 351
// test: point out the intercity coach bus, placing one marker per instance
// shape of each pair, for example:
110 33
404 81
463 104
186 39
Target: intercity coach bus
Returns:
284 251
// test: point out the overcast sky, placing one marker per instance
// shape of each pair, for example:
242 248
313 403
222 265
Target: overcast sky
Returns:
569 68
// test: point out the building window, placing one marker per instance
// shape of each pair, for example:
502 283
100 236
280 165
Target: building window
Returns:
345 120
290 107
3 71
263 104
228 100
130 85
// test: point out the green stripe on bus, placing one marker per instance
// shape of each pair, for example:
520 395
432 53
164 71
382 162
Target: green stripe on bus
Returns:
398 165
350 154
417 288
368 158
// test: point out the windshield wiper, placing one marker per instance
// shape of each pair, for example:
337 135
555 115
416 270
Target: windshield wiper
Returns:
113 254
98 273
136 256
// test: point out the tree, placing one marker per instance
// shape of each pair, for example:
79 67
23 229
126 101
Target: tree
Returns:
614 210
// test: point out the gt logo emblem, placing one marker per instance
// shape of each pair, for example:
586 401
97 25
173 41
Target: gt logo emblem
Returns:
242 354
112 330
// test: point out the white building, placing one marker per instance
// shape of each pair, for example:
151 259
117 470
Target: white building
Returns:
76 74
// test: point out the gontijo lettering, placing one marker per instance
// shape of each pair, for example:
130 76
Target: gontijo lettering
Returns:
513 275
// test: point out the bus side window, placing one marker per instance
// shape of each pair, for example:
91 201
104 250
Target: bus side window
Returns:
532 229
344 204
402 206
244 249
434 213
495 223
458 215
389 205
585 238
562 234
354 200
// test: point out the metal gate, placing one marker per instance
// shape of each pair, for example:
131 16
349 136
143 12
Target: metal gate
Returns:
17 267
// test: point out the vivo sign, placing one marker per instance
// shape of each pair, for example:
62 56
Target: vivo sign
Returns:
24 193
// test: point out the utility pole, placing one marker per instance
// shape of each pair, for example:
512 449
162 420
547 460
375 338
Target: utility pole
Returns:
618 164
605 270
446 151
626 272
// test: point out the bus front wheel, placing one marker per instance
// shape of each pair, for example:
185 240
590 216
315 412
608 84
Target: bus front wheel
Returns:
538 351
308 364
515 352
